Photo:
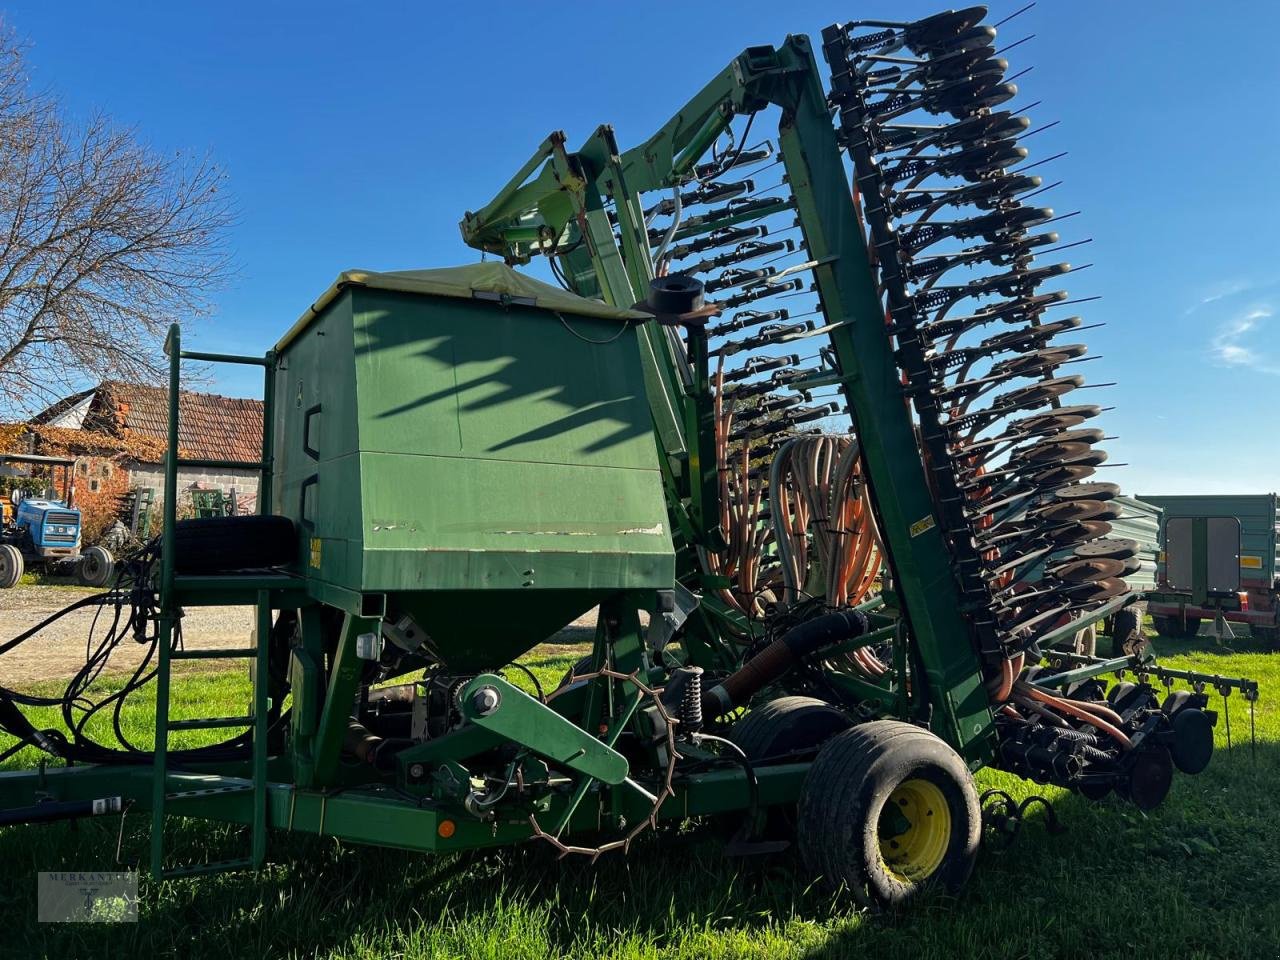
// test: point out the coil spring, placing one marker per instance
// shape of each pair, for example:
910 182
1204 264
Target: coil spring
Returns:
872 40
690 710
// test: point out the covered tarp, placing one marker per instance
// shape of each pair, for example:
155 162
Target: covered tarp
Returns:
492 280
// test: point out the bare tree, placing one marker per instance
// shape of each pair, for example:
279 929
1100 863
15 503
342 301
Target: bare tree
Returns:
103 243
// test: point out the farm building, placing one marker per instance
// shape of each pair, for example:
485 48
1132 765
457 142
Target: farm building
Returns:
117 431
211 427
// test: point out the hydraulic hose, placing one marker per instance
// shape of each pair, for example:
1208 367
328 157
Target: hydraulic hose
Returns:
780 656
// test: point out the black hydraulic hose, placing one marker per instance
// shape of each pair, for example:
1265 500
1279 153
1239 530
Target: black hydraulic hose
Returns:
753 782
780 656
82 748
13 722
100 599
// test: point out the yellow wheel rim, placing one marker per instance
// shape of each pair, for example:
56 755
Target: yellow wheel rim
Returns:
914 830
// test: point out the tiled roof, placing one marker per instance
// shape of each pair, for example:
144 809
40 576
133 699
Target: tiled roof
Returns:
209 426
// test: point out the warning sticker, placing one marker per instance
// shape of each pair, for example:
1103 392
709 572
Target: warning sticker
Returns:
315 552
1253 563
921 525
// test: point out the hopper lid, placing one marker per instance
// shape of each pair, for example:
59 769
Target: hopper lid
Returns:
491 280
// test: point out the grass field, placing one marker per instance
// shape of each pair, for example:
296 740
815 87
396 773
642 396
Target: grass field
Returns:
1200 877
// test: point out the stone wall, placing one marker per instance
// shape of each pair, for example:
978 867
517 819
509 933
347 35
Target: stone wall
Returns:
244 482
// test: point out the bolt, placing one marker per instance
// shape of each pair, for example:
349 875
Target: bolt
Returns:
416 771
485 701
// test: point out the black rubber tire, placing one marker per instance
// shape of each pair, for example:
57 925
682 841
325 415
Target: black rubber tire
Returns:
581 666
96 567
780 727
1186 628
786 725
1124 623
1265 634
1165 626
222 544
845 793
11 566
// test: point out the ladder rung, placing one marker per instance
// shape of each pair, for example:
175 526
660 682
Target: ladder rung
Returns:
216 654
223 358
210 723
213 866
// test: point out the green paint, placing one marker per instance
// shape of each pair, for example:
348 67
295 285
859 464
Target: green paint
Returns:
518 718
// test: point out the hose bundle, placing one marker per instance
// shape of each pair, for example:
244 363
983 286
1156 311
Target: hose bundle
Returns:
816 488
129 610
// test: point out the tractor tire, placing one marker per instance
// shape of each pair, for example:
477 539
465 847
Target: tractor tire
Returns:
96 567
1165 626
889 811
787 725
1124 624
223 544
11 566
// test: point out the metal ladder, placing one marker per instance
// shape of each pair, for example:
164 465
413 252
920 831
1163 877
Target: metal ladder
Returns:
173 593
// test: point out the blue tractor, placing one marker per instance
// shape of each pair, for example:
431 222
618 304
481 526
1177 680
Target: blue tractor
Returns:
43 532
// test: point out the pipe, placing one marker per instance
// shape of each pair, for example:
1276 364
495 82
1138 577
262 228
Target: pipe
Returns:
392 699
379 752
671 230
780 656
52 810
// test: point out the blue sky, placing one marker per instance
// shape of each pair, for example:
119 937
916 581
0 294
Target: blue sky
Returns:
355 136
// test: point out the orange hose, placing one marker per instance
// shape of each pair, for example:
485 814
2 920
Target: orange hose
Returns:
1070 708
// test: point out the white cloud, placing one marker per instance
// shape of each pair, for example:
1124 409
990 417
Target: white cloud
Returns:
1233 346
1219 291
1226 289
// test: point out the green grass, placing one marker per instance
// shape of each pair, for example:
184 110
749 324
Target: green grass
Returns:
1199 877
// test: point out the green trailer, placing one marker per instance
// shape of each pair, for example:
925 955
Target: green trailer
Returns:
1258 601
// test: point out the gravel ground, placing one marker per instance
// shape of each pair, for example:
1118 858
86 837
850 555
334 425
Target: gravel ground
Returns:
59 650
